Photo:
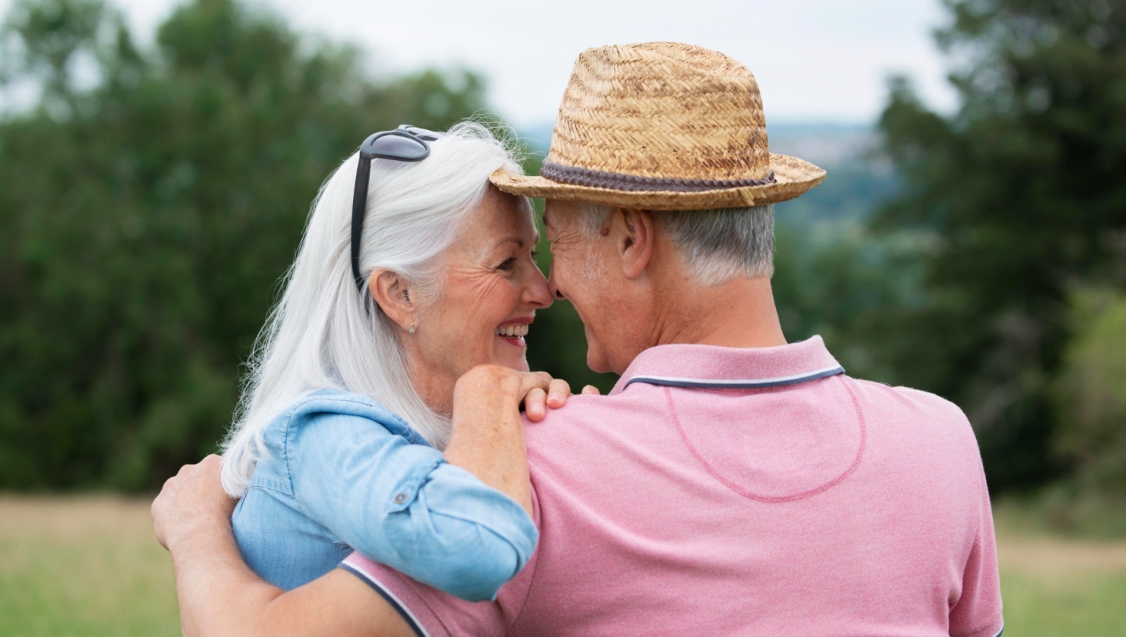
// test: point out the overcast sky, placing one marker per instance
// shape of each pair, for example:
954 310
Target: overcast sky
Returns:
815 60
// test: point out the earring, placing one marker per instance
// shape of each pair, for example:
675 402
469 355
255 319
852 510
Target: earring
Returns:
410 330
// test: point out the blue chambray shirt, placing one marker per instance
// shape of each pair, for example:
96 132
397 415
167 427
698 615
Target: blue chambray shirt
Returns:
345 473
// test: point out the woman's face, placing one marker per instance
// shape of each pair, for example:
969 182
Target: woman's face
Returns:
490 293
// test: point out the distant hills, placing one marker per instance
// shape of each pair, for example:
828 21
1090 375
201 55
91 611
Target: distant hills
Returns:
824 144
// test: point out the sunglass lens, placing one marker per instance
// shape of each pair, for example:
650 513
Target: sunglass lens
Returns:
398 147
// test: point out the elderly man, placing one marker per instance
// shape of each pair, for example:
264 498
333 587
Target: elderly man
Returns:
730 483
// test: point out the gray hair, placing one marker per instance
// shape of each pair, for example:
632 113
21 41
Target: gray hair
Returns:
717 245
326 334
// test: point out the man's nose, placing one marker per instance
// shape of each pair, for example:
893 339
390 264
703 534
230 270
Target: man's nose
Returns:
553 285
536 291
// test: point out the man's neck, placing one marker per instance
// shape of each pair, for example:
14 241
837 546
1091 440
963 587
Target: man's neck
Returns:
739 313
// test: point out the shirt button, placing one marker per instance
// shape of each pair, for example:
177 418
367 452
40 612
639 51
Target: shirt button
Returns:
401 498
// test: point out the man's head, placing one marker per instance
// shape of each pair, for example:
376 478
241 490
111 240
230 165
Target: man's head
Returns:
634 275
659 184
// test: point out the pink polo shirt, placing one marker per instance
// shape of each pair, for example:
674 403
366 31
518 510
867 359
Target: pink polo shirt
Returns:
722 491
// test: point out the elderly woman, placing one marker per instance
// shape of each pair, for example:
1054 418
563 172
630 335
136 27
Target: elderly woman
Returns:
412 272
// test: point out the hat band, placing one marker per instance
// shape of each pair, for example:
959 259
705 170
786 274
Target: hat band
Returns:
632 183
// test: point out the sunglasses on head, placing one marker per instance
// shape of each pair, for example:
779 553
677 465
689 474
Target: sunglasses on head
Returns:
405 143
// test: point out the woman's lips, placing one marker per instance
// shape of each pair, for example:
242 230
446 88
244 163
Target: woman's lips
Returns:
514 331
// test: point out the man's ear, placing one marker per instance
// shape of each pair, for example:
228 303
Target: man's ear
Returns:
392 292
633 234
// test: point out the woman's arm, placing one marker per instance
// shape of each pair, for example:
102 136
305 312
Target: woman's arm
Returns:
488 432
410 508
220 596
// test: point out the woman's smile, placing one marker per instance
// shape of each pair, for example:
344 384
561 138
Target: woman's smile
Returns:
513 332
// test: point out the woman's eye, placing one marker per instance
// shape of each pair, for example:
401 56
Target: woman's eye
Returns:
508 264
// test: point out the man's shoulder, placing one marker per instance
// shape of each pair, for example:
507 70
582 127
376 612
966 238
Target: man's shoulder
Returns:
918 410
599 415
909 398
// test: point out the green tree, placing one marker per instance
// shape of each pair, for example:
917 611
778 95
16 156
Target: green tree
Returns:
1021 193
146 214
1092 392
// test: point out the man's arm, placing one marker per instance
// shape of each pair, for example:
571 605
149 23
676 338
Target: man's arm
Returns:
220 595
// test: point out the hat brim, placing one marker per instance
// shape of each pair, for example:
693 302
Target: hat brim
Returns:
792 177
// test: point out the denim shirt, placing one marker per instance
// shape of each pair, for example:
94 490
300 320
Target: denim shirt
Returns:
341 472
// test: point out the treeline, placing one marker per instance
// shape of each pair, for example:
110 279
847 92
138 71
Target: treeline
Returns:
996 275
149 203
152 197
1022 197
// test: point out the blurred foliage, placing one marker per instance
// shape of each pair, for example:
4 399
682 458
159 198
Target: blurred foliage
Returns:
1021 195
1090 437
833 276
150 201
1092 391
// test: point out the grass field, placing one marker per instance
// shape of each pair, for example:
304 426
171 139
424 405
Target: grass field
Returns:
89 566
83 567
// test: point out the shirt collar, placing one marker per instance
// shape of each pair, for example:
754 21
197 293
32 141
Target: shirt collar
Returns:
714 367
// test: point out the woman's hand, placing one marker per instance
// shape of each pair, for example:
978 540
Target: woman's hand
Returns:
538 397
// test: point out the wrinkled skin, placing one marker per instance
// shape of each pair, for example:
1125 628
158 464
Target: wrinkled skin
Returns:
489 282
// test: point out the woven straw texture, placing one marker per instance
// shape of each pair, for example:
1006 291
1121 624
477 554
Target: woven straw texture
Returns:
662 126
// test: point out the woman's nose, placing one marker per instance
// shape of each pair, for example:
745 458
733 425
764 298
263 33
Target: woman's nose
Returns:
536 292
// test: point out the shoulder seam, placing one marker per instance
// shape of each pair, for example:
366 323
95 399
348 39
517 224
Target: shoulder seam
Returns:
369 403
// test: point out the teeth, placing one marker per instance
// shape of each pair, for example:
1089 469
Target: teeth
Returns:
512 330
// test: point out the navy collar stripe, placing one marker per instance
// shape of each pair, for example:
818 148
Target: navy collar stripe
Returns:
700 383
411 620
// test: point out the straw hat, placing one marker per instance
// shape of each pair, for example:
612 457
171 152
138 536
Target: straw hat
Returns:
662 126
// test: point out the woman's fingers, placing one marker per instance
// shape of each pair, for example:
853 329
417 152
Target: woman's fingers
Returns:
535 404
533 380
540 392
558 392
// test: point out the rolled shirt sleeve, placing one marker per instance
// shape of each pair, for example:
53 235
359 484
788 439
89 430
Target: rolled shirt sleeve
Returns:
403 505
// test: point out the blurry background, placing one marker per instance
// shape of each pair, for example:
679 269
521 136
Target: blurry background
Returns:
158 159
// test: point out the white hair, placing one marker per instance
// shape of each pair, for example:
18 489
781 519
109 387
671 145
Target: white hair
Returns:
324 333
716 245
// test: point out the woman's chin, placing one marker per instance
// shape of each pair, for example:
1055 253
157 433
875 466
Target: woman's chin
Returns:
510 352
513 361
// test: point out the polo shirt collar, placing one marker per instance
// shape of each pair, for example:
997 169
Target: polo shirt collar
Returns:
714 367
